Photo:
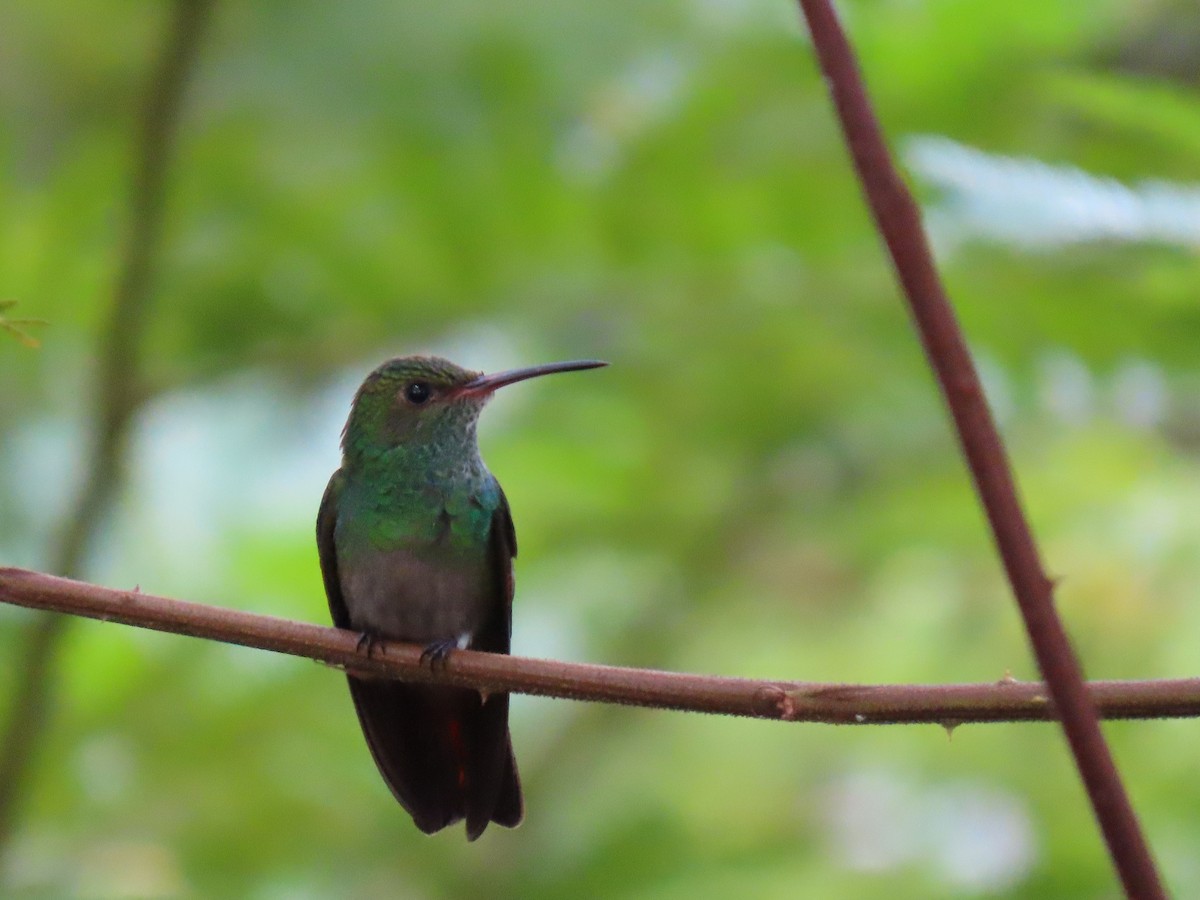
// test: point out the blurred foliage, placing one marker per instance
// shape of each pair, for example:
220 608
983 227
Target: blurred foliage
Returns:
17 327
764 483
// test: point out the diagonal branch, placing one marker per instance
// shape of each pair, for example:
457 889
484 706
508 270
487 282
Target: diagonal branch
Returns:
899 222
948 705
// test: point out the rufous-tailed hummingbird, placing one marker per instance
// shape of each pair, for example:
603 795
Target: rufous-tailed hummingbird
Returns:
416 544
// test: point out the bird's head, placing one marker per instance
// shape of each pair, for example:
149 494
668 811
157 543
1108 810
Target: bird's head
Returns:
428 401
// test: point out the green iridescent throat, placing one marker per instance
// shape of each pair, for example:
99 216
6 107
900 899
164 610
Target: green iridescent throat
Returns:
414 475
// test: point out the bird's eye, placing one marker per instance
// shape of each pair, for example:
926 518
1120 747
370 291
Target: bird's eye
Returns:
417 393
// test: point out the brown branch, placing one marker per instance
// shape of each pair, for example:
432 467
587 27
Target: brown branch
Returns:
947 705
118 393
899 221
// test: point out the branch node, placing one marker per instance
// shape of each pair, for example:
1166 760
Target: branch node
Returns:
773 702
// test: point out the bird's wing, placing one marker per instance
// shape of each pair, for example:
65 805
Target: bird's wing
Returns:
326 552
497 793
495 635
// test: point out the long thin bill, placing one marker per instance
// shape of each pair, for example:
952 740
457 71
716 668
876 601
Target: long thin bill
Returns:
485 384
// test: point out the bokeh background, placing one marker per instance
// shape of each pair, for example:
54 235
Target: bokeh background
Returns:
764 483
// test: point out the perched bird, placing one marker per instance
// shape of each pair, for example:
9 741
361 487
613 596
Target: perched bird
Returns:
416 544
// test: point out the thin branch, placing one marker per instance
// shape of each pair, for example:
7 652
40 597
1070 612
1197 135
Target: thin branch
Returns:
947 705
117 394
899 221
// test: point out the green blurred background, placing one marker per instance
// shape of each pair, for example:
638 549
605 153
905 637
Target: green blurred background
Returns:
764 483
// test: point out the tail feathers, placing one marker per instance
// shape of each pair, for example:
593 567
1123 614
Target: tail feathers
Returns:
510 805
445 754
493 770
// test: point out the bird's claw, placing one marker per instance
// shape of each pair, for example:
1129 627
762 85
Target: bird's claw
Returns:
438 652
367 643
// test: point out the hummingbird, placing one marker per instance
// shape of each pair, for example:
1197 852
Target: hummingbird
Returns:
416 543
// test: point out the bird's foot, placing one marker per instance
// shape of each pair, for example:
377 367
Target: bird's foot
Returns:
438 652
367 643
